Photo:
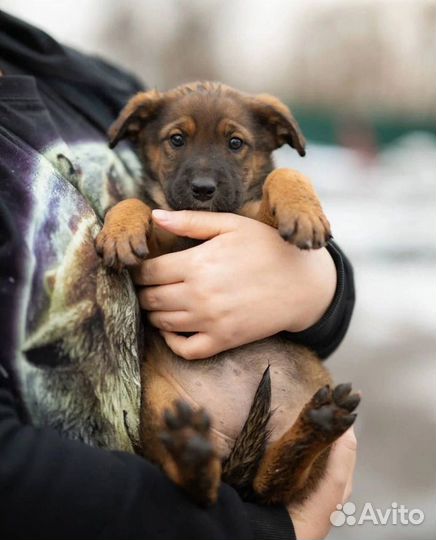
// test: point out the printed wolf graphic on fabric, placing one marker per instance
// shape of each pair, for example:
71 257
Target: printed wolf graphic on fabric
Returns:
79 358
99 174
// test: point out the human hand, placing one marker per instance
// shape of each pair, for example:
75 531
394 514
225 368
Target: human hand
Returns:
311 520
244 284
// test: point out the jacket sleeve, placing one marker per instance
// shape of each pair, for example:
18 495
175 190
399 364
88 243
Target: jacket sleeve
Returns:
325 336
51 487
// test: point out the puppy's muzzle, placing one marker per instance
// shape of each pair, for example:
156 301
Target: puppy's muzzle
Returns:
203 188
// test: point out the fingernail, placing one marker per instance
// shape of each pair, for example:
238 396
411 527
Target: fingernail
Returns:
162 215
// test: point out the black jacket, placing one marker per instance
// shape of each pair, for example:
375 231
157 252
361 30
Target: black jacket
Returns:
56 173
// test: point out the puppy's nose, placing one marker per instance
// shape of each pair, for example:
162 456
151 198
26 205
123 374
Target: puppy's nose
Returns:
203 188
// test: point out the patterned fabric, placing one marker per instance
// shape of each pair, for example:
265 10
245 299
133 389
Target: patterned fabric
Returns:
70 325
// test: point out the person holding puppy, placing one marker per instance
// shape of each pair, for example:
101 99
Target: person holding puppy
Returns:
56 105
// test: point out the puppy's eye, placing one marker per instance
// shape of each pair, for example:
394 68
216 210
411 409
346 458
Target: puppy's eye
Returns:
235 143
177 140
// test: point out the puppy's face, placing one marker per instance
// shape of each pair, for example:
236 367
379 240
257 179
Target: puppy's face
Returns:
205 146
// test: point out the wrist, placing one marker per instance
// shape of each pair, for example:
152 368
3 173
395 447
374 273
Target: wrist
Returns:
316 289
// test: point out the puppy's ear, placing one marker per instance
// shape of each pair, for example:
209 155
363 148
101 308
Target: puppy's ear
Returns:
138 111
273 115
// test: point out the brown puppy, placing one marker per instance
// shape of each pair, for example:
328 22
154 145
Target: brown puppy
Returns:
205 146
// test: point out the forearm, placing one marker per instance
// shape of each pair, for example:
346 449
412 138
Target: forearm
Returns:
327 333
317 286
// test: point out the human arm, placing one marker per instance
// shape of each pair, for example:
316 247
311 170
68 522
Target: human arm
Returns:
268 287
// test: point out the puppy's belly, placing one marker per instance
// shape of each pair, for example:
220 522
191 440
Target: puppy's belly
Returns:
225 384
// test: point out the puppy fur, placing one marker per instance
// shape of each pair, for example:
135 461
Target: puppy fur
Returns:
206 146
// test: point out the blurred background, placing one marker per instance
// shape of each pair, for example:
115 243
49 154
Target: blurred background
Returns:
359 76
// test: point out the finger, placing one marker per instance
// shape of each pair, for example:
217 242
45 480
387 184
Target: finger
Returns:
348 490
342 462
173 321
162 270
201 225
163 297
351 441
190 348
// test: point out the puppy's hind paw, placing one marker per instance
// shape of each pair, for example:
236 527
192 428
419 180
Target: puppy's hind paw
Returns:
186 436
194 464
332 411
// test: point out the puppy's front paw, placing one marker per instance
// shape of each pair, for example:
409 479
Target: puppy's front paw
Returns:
120 247
305 229
291 204
123 239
